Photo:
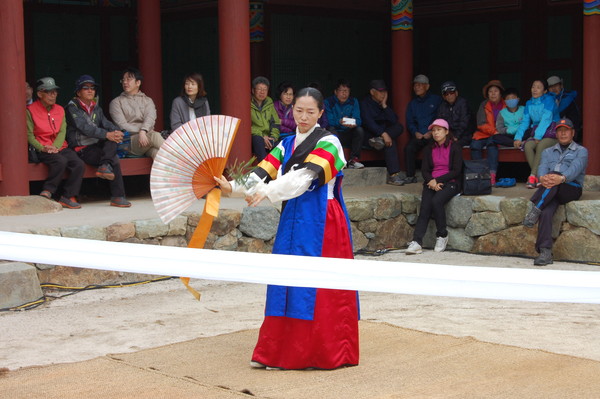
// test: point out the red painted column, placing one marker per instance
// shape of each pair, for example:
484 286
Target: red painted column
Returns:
234 62
591 98
150 54
13 131
402 66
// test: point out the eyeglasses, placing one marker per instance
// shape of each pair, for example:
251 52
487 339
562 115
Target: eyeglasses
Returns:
447 93
126 80
88 88
50 92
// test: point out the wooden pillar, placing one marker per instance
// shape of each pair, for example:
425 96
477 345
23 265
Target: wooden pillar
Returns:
402 65
14 178
150 54
234 70
591 77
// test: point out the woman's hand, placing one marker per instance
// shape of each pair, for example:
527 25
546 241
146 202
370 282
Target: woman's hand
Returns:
254 199
517 143
432 184
224 184
143 139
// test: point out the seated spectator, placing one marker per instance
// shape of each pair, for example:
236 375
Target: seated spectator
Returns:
265 121
28 94
486 126
455 110
381 124
565 101
46 131
441 169
323 121
537 128
561 171
283 106
191 103
95 139
343 114
135 112
420 112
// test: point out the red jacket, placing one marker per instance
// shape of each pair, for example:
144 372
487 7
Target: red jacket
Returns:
46 124
486 123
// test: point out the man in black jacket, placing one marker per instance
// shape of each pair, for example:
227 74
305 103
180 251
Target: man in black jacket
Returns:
95 138
455 110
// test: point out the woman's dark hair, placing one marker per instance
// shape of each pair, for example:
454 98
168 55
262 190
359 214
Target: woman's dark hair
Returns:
311 92
342 82
512 90
196 77
133 72
283 87
542 81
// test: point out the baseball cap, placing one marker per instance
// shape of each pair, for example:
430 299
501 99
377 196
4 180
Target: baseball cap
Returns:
46 83
448 86
79 83
378 85
564 123
421 79
553 80
439 122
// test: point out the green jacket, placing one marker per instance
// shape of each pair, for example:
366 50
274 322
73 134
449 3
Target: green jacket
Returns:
265 121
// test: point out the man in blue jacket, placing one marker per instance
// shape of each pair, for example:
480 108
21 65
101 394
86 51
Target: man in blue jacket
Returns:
561 170
343 114
421 111
565 101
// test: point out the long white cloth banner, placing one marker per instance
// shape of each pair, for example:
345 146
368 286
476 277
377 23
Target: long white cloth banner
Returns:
303 271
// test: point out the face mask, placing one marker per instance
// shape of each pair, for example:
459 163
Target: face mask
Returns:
512 103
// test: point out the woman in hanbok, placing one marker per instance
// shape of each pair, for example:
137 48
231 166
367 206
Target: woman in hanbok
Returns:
305 327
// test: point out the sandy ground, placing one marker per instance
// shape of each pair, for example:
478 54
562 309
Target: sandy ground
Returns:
94 323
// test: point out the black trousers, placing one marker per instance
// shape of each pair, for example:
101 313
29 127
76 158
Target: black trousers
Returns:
390 154
548 200
105 152
410 154
258 147
433 203
57 165
352 138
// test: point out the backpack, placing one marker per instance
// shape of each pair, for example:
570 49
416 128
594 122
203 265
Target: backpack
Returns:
477 180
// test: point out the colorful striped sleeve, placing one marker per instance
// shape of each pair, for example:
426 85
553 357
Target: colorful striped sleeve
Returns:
269 166
327 159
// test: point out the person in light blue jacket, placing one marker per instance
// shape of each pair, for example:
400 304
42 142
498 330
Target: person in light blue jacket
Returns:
538 128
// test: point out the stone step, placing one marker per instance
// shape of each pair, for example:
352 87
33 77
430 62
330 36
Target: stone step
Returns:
19 284
374 176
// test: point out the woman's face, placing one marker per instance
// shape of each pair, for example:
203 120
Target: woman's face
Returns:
191 88
537 89
306 113
494 94
287 96
439 134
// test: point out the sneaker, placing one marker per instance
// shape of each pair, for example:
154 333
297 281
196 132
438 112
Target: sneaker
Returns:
409 179
46 194
493 179
120 202
440 244
506 182
257 365
377 143
395 180
532 217
354 164
69 203
532 182
105 171
545 257
413 248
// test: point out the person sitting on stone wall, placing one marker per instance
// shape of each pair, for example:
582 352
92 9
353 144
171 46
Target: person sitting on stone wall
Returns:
135 112
561 171
46 132
94 138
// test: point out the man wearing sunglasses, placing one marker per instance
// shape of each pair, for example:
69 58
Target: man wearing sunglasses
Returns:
455 110
95 139
46 131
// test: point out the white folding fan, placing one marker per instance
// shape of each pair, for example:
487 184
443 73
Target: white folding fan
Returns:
184 168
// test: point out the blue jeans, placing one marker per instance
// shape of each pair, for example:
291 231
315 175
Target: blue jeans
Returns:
491 143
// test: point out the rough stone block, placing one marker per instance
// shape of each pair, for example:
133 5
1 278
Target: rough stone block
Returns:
249 244
19 284
518 240
457 239
487 203
559 217
387 207
514 209
578 244
260 222
177 226
174 241
120 231
365 177
392 233
360 209
367 226
482 223
27 205
410 203
359 239
458 211
150 228
226 221
87 232
229 241
585 214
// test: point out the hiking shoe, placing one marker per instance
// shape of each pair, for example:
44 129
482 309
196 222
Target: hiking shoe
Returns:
395 180
105 171
545 257
409 179
440 244
532 217
413 248
69 203
120 202
46 194
354 164
532 182
377 143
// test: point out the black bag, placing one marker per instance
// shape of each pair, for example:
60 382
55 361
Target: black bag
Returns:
477 177
33 155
